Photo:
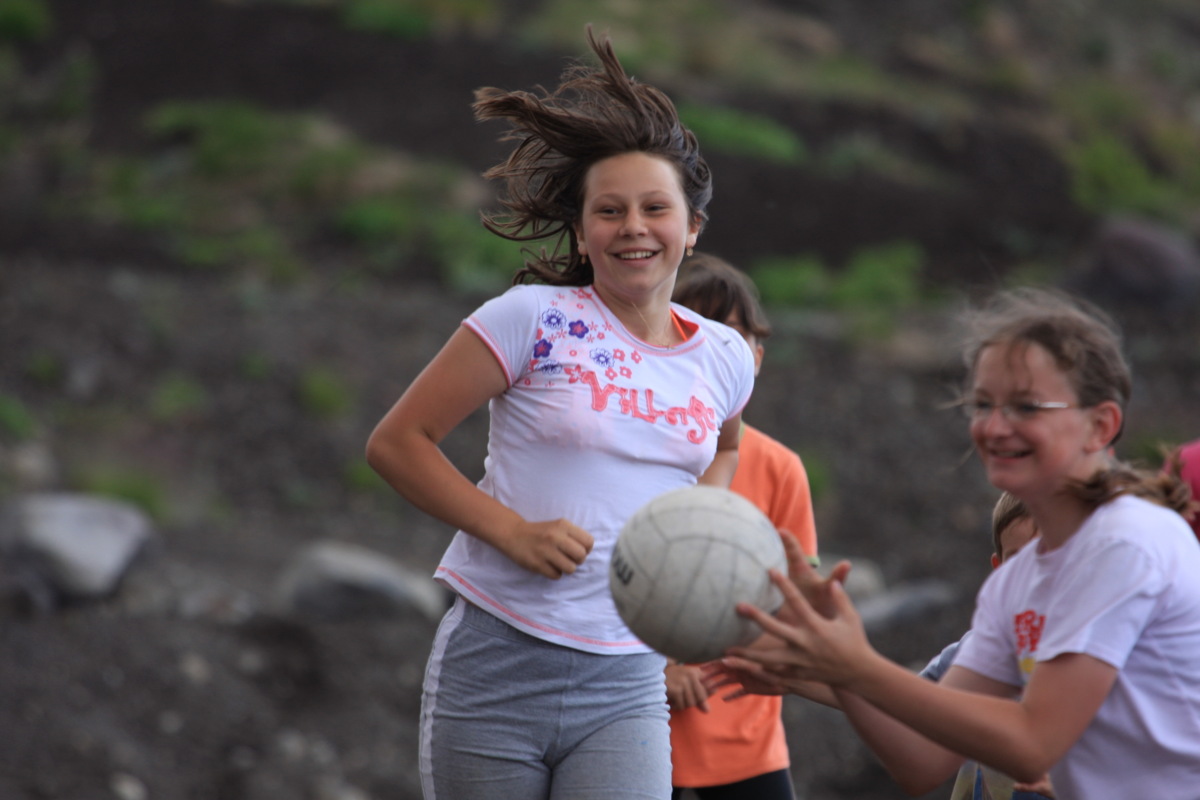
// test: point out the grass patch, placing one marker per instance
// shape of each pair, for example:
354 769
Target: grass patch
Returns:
820 475
139 487
739 133
25 21
177 397
419 19
801 281
45 368
324 394
874 286
359 476
16 423
1108 176
254 366
865 152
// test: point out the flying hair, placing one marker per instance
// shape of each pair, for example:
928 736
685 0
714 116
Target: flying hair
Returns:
594 114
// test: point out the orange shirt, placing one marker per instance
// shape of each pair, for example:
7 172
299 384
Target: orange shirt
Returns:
743 738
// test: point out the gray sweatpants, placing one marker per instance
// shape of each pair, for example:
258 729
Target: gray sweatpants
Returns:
505 715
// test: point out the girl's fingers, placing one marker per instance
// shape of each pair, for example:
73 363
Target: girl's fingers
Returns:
840 572
796 560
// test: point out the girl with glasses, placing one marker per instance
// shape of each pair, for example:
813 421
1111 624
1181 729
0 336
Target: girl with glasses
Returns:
1083 653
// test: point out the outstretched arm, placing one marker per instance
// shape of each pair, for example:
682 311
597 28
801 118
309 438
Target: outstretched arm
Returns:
405 450
961 715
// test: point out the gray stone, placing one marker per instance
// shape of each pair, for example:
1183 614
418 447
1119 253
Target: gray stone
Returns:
333 580
82 545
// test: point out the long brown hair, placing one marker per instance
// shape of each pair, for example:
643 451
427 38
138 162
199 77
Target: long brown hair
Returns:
593 114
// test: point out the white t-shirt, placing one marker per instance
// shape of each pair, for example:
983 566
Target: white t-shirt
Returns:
594 424
1124 589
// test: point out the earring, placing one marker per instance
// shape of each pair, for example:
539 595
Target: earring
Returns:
583 258
688 252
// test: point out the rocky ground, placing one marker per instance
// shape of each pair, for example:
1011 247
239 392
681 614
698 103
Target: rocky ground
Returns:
186 685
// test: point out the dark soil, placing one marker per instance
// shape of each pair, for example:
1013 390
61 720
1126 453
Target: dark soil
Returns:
183 684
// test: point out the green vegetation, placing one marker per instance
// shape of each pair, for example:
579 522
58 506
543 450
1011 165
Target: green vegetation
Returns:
25 20
820 474
254 366
875 284
176 397
239 189
1108 176
45 368
324 394
359 476
739 133
15 420
418 19
802 281
135 485
864 151
410 19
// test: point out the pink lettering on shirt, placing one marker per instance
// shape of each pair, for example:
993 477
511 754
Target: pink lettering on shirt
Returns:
629 405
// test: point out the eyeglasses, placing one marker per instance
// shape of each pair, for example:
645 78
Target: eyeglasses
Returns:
979 410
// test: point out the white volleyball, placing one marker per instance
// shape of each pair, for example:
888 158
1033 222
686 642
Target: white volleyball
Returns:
682 563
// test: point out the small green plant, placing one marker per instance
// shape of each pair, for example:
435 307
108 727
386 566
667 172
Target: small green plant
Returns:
883 277
406 20
177 396
137 486
359 476
74 87
875 284
324 394
865 152
740 133
229 138
1108 176
386 226
1098 105
475 260
15 420
45 368
417 19
802 281
258 249
820 475
254 366
25 20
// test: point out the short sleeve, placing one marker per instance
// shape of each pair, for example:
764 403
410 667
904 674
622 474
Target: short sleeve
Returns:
508 326
1103 607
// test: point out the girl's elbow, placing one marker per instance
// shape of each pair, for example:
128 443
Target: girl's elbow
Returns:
376 451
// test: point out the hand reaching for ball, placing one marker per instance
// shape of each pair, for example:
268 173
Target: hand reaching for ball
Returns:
821 640
764 666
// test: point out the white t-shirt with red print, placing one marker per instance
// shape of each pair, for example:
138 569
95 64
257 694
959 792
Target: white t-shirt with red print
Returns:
1125 589
594 424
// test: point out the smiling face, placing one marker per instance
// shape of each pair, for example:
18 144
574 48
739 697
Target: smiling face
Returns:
635 226
1035 457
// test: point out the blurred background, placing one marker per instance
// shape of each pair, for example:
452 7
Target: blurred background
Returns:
232 231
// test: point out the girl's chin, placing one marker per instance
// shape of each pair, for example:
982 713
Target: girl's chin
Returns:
1005 476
